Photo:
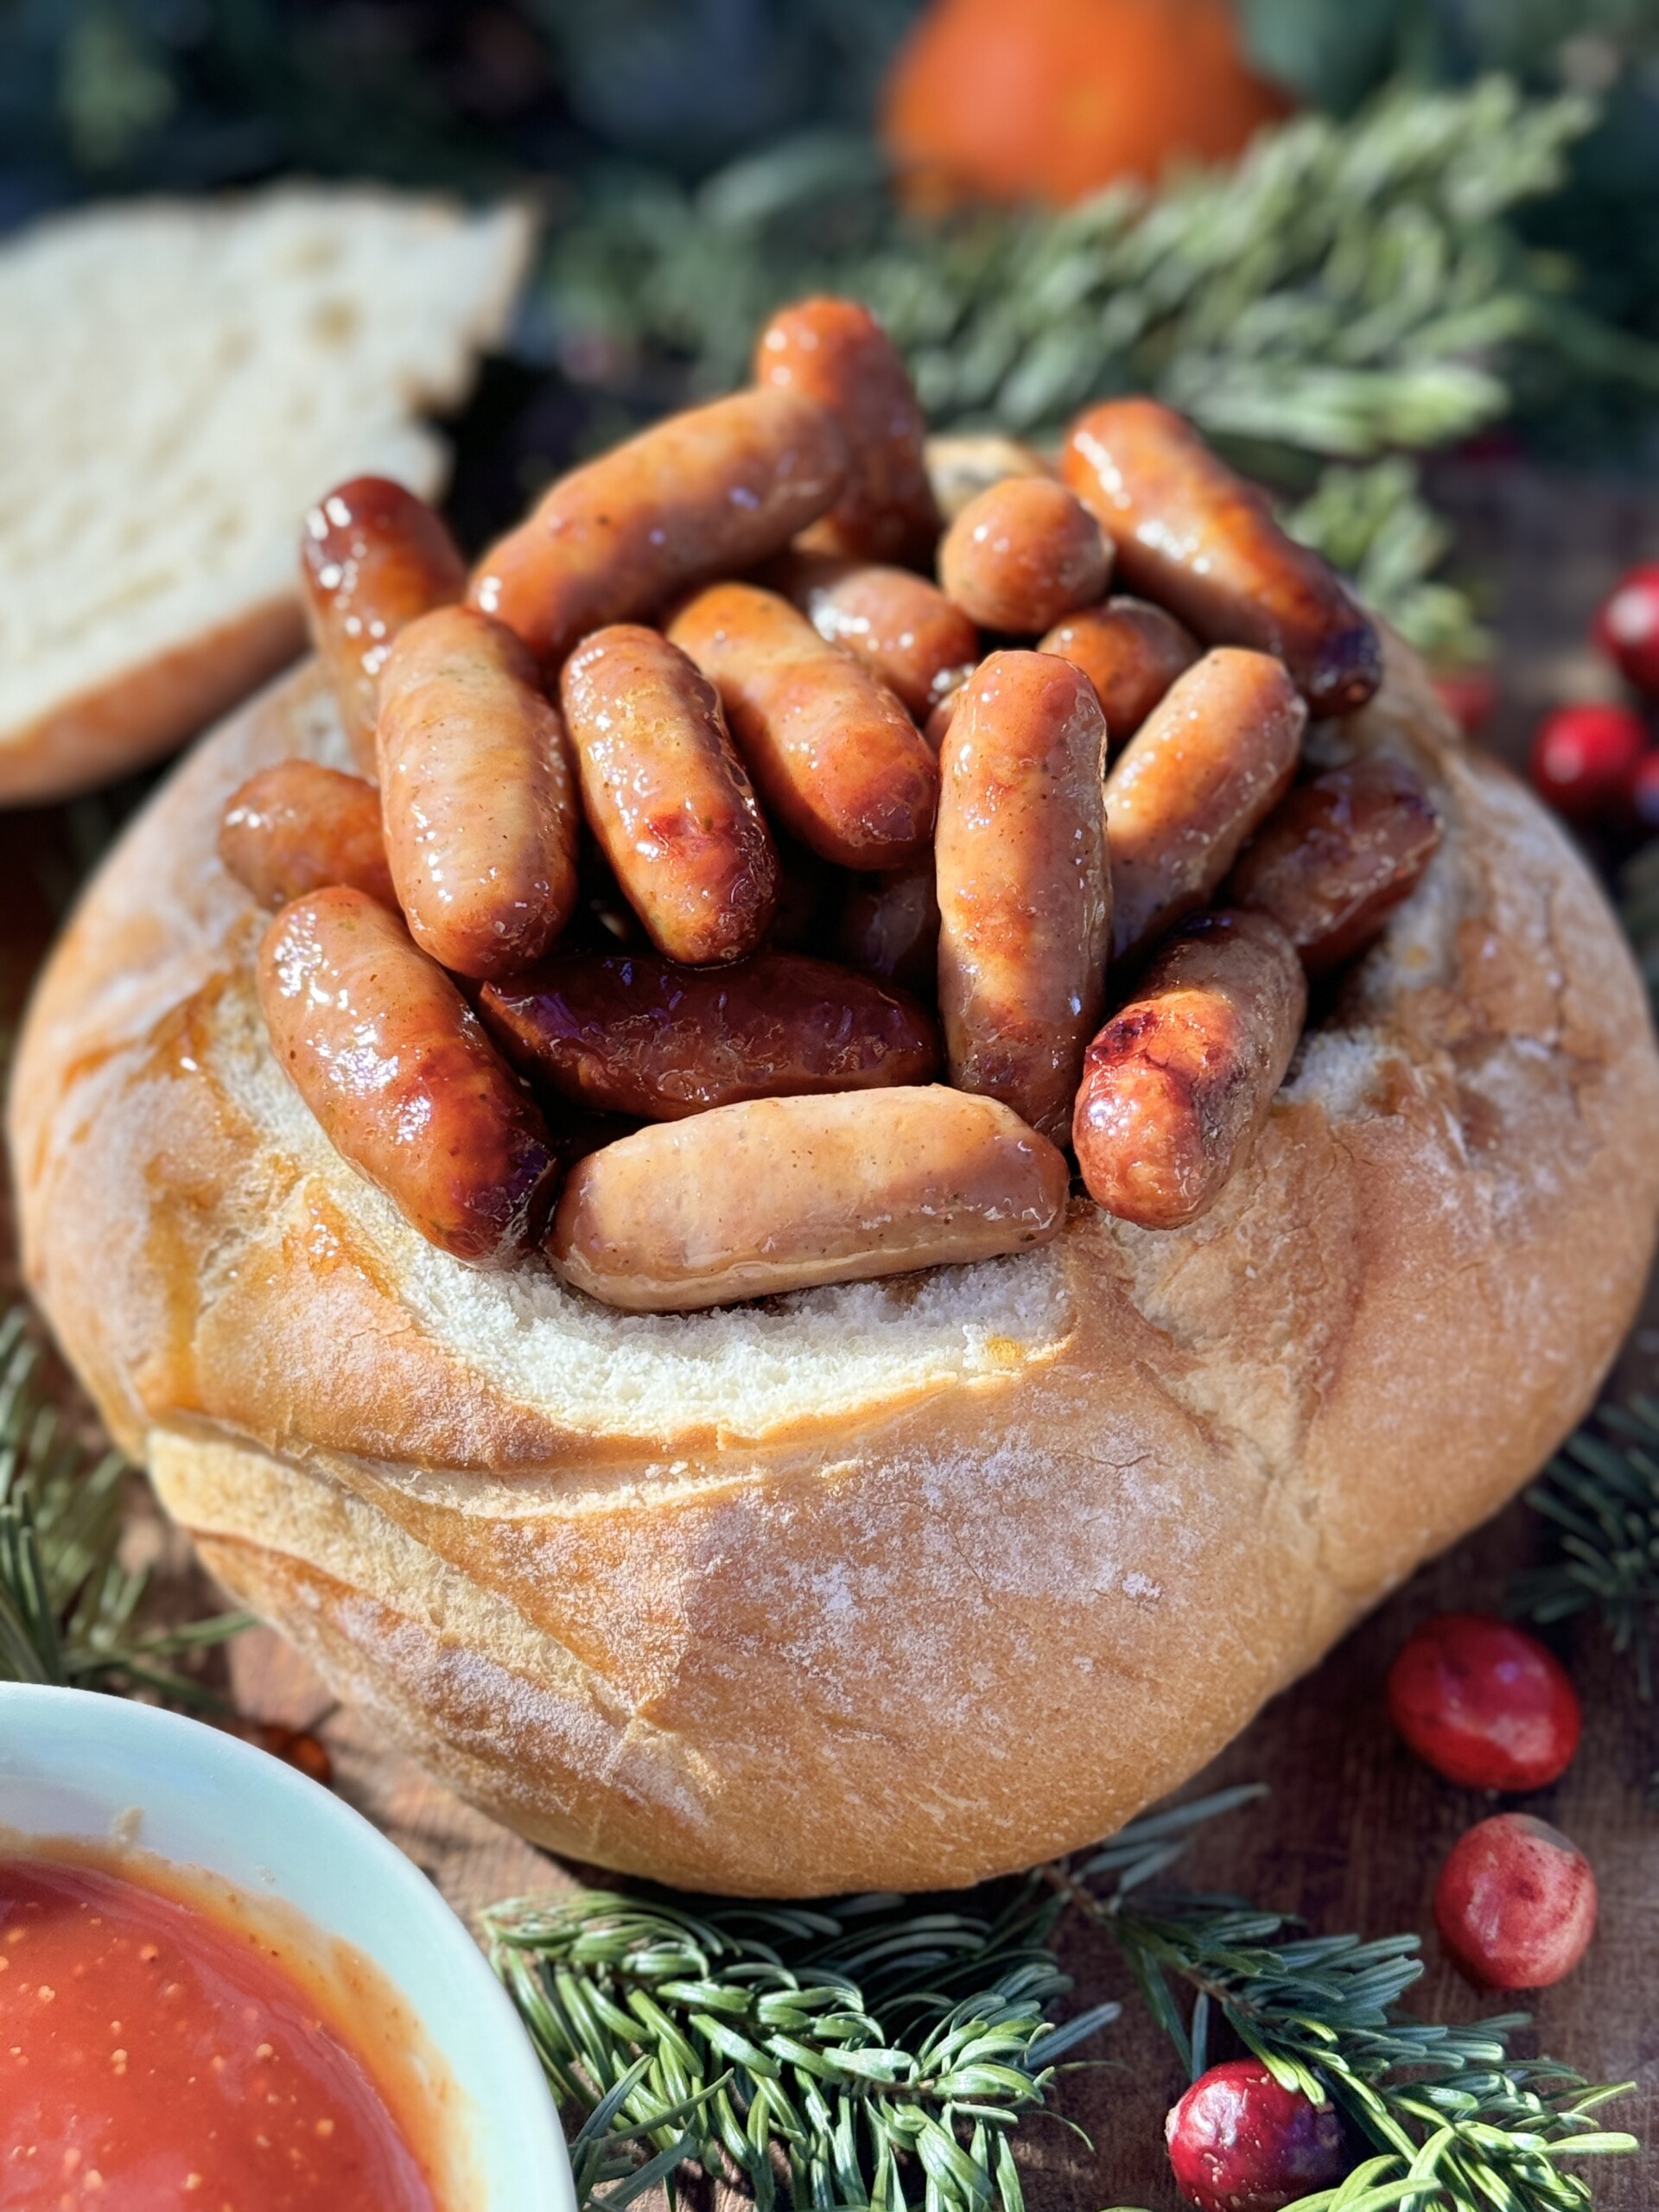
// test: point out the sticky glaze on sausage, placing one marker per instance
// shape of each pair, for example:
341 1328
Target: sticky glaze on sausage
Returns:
1203 543
702 494
837 761
835 352
1208 763
1024 885
1131 651
1023 554
396 1069
373 557
1178 1082
298 826
477 794
889 926
635 1034
918 642
1337 856
782 1193
667 797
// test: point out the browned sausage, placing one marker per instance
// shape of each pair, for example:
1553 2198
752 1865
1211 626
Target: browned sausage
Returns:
1024 885
1178 1082
837 352
395 1065
889 926
1207 763
1202 542
1337 856
373 557
1023 554
297 827
631 1034
699 495
1131 651
477 794
961 464
780 1193
666 795
837 761
918 644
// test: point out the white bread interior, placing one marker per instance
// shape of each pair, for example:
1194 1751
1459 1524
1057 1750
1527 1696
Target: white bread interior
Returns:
893 1584
179 380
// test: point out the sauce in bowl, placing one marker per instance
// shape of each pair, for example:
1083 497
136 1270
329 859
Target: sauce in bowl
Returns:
165 2042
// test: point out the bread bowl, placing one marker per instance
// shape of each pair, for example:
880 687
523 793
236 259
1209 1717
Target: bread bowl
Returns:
892 1584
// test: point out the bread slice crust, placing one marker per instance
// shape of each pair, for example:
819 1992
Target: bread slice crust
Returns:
894 1585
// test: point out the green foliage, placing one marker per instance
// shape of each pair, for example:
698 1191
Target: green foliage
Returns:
1375 525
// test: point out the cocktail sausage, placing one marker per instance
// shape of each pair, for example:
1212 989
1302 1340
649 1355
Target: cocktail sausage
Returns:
297 827
1023 554
1131 651
889 926
918 642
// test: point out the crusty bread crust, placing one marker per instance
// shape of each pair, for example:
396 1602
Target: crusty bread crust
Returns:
897 1584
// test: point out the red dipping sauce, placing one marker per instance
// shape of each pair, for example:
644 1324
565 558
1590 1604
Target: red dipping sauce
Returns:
157 2053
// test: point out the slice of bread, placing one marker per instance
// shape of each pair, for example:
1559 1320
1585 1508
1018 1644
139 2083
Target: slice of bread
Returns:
178 382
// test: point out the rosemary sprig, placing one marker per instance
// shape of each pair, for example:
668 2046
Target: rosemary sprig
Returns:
68 1606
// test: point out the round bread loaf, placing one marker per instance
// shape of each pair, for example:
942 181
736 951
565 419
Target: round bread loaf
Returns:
892 1584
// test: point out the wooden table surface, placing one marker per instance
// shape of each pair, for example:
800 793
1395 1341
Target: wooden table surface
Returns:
1354 1830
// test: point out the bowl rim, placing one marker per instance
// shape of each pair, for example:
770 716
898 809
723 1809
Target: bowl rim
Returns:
54 1734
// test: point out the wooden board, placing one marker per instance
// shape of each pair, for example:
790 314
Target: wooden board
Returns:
1355 1829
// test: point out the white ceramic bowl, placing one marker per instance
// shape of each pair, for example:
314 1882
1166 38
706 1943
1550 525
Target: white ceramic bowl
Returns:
75 1764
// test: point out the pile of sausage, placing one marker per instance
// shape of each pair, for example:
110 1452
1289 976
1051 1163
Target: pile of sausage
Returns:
699 833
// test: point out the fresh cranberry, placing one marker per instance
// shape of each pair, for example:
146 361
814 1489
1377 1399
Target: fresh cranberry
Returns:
1468 695
1583 759
1644 791
1515 1902
1484 1703
1627 627
1239 2143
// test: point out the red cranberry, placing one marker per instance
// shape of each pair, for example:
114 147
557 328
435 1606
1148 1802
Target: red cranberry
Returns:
1627 627
1583 759
1484 1703
1516 1904
1468 695
1239 2143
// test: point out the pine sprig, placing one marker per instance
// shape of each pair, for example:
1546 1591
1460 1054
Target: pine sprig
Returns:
68 1607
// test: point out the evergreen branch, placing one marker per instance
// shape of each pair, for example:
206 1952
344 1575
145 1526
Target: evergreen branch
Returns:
1600 1494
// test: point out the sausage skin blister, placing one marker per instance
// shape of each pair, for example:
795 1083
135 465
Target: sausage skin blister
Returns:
918 641
667 797
628 1033
1131 651
1024 886
477 794
1336 857
395 1067
1208 763
1024 553
835 353
704 494
1195 537
889 926
783 1193
837 761
297 827
373 557
1178 1082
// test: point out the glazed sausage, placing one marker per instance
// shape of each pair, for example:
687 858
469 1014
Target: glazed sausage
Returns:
1178 1082
1131 651
889 926
779 1194
632 1034
1202 542
918 644
394 1064
1024 885
1207 763
837 761
1023 554
961 464
1337 856
297 827
835 353
373 557
702 495
667 797
477 794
